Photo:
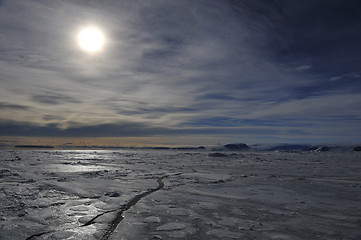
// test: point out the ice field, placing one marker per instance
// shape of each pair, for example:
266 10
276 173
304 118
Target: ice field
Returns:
179 194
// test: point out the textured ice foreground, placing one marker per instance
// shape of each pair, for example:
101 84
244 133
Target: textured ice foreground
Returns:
244 195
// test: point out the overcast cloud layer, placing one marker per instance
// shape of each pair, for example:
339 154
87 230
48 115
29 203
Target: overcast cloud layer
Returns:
260 71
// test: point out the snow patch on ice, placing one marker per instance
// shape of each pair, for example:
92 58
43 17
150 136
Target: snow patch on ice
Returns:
172 226
222 234
152 219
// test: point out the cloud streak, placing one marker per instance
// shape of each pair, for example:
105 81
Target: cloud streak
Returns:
181 67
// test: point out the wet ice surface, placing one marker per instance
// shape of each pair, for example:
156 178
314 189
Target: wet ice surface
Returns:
244 195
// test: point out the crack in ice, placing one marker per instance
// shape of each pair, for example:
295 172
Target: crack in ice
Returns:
38 235
119 217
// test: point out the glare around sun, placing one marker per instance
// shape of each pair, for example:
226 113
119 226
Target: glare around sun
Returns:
91 39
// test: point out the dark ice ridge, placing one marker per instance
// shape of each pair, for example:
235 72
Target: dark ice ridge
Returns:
119 217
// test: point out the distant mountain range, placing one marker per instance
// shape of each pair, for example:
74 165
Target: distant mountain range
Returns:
287 147
227 147
305 147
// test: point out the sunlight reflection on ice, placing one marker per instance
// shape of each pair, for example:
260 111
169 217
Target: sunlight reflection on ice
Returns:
75 168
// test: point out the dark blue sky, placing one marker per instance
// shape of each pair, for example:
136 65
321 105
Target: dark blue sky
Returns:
182 71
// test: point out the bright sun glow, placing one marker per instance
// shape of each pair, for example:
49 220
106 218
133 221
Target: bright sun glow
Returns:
91 39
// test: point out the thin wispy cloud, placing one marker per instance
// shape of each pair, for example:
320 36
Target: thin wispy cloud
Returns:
286 69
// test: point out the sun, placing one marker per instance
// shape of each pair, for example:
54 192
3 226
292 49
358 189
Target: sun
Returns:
91 39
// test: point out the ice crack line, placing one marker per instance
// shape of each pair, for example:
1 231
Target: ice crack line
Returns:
38 235
119 217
